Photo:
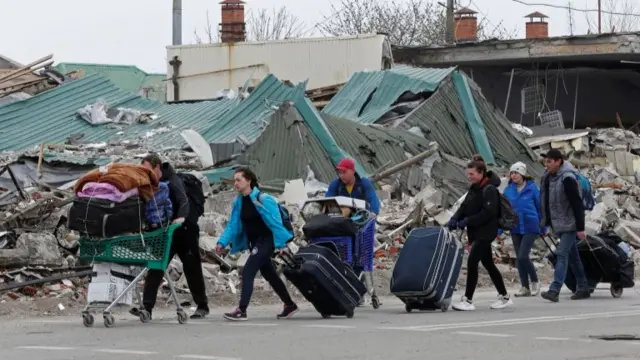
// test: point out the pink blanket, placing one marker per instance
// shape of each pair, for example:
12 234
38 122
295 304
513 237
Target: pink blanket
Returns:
106 192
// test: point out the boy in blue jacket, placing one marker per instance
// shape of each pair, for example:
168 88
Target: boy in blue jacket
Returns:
524 195
350 184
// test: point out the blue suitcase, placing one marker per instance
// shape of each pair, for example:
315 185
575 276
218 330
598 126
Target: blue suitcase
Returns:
427 269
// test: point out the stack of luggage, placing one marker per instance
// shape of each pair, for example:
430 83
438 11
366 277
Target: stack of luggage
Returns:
604 259
119 199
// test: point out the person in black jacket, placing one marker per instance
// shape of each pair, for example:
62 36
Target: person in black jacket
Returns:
185 242
479 214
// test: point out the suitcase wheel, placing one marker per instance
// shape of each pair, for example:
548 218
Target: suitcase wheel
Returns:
616 292
325 316
350 315
408 308
375 302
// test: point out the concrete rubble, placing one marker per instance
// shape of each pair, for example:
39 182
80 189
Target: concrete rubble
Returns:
38 254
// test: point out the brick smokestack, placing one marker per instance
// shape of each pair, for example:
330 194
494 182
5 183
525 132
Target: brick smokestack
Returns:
537 27
466 25
233 26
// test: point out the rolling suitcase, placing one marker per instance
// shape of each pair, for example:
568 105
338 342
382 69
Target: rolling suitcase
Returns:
104 218
427 269
327 282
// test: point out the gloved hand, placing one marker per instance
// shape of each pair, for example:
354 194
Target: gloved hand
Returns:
452 224
462 224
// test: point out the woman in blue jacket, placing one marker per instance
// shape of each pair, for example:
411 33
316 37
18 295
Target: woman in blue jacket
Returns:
524 195
256 223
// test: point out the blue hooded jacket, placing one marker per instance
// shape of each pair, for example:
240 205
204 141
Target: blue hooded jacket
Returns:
526 205
363 189
268 209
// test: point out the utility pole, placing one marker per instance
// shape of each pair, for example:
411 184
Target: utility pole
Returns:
599 16
450 22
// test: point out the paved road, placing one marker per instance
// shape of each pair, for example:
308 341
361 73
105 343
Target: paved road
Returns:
533 329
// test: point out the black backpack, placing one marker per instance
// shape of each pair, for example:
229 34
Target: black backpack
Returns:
507 216
193 188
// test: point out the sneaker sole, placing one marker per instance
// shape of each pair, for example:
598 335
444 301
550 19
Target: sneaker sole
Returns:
288 316
462 309
500 307
234 319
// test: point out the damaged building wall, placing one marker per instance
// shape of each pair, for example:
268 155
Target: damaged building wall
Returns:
601 94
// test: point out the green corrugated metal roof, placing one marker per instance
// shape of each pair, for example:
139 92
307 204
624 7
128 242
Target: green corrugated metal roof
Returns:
289 145
248 118
369 95
127 77
286 148
474 121
442 119
50 117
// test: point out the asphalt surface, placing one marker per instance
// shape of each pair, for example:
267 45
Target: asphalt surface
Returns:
532 329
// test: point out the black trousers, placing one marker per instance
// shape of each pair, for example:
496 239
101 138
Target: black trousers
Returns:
186 246
481 253
260 260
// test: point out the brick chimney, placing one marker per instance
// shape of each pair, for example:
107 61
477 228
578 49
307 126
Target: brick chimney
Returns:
232 27
466 25
537 26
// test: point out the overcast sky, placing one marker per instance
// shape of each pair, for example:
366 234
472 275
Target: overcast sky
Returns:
136 32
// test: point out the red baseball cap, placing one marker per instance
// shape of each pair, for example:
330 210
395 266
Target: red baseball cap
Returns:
346 164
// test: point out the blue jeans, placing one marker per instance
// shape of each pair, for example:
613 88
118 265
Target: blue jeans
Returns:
526 269
567 256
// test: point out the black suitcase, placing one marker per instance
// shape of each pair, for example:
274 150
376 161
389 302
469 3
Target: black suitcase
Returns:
427 269
327 282
103 218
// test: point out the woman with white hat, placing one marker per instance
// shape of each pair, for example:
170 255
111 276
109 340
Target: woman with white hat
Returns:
524 195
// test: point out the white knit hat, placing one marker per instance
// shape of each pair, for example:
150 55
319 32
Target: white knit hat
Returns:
520 168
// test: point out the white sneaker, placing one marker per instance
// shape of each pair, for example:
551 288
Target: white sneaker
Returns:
464 305
503 302
523 292
535 289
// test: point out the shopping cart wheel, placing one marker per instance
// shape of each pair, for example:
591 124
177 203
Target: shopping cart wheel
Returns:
616 292
182 317
88 320
408 308
325 316
375 302
109 321
145 316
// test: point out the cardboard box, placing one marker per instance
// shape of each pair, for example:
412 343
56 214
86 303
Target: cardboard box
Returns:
106 292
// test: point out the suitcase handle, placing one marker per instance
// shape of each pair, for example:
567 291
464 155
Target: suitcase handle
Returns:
546 236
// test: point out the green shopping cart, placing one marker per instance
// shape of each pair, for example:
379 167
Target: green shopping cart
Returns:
150 250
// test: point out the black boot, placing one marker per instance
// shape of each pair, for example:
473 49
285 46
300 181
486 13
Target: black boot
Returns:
550 295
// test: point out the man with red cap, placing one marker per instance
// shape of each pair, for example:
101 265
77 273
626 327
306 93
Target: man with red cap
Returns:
350 184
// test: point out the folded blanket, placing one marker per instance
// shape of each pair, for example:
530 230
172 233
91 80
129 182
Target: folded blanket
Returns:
106 192
124 177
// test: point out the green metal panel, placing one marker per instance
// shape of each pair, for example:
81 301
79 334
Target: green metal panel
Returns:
50 117
248 117
474 121
369 95
127 77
